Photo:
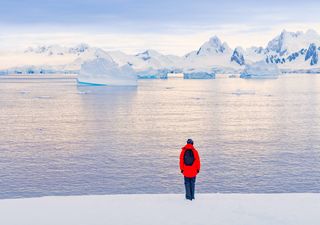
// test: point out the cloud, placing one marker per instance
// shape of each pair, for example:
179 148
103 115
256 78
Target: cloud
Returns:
132 25
151 13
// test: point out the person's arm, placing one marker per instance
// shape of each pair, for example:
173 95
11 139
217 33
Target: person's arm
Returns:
197 161
181 161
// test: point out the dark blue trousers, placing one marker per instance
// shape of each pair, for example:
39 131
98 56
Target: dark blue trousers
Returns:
189 184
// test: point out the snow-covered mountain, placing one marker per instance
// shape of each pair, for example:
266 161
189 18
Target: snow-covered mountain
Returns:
294 50
212 47
155 60
45 56
212 55
291 51
47 59
58 50
312 54
238 56
288 42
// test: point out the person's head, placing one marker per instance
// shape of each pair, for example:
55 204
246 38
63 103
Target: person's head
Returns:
190 141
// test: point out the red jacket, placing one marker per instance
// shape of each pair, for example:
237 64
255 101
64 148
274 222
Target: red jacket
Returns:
190 171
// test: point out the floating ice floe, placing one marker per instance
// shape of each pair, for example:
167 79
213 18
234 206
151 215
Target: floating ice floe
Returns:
244 92
261 70
104 71
23 92
44 97
83 92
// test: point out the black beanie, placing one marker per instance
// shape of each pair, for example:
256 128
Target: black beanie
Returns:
190 141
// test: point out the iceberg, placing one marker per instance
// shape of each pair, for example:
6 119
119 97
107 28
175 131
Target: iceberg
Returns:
261 70
153 74
104 71
199 75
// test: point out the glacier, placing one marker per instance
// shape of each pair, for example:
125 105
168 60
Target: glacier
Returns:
103 71
260 70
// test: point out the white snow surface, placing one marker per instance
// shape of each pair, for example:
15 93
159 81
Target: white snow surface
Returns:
164 209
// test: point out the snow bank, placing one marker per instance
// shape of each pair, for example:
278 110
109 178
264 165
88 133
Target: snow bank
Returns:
104 71
261 70
221 209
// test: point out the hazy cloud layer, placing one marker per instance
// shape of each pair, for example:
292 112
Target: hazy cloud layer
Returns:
238 22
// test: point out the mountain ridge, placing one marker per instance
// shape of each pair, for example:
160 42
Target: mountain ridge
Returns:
291 51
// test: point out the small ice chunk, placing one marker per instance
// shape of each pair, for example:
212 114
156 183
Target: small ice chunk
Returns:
23 92
244 92
44 97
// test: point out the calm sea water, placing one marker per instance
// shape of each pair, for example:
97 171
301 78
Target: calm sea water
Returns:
58 138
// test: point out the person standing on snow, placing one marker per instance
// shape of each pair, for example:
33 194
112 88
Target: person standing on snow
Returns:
190 167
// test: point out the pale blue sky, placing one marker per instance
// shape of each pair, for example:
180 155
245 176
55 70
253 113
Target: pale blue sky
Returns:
130 25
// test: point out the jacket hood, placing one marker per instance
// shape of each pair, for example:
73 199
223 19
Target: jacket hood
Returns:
188 146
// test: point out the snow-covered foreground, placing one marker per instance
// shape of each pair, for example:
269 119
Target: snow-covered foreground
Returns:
172 209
